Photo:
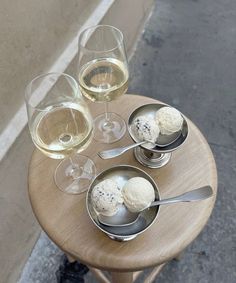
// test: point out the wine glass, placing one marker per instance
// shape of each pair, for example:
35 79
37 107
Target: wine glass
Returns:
61 125
102 72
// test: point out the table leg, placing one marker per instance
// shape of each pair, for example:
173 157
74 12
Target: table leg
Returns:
70 258
179 256
122 277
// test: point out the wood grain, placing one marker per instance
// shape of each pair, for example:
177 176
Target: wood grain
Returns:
99 275
64 217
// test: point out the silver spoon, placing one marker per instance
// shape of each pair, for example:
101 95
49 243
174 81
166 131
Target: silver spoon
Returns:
124 217
111 153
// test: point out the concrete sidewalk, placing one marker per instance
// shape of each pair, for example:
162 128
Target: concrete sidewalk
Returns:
186 57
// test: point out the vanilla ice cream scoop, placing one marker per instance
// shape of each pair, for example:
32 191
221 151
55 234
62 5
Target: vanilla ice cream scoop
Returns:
106 197
169 120
145 128
138 194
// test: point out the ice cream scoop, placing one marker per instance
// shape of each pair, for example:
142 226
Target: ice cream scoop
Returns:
106 197
169 120
145 129
138 193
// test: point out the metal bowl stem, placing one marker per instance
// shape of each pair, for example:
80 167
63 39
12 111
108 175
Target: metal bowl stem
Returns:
151 159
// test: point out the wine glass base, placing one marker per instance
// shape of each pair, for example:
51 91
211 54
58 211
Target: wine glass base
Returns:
73 175
109 132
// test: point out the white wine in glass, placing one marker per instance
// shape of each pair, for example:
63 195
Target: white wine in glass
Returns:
61 126
103 76
58 131
103 80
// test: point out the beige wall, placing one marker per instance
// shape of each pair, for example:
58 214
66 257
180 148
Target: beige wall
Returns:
33 33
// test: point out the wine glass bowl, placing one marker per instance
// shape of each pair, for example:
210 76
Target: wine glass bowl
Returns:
61 126
103 76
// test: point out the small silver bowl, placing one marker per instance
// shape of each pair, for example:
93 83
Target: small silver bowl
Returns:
121 174
158 156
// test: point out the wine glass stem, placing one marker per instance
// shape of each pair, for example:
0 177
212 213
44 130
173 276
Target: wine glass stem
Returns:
107 123
74 171
106 113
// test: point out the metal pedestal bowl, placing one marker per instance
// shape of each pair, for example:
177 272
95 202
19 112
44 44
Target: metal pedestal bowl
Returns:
121 174
159 155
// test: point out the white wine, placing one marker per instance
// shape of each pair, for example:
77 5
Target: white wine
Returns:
60 130
103 79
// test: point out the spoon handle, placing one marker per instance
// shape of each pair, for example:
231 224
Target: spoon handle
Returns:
194 195
110 153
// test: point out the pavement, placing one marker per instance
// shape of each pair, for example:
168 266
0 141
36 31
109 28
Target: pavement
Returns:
186 57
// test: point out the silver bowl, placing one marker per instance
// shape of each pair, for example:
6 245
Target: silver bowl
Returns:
121 174
158 156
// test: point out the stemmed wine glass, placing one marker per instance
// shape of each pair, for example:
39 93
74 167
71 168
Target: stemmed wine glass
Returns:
102 72
61 125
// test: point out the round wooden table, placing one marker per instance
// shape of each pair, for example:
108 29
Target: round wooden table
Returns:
65 220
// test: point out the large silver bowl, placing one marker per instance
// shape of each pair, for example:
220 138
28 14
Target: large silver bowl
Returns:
121 174
157 156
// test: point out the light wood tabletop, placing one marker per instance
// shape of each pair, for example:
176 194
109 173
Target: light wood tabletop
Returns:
65 220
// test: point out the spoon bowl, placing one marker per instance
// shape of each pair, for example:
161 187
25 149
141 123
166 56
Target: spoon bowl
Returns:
123 217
